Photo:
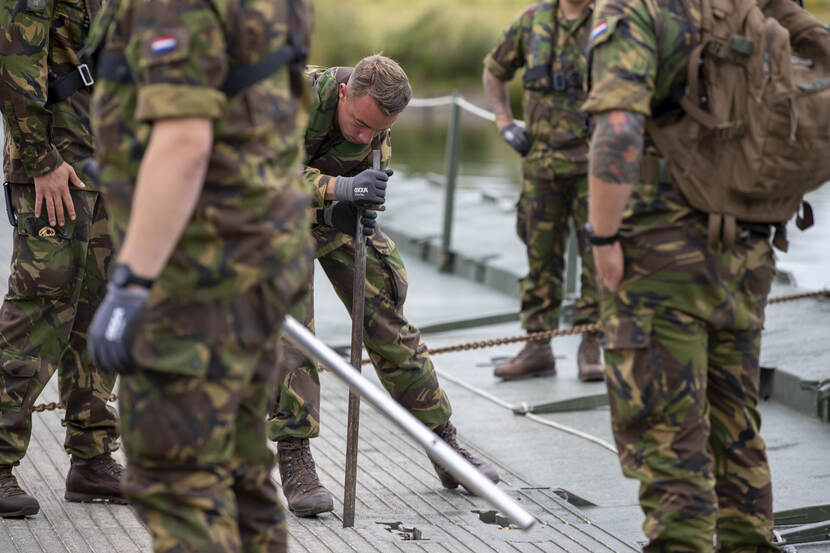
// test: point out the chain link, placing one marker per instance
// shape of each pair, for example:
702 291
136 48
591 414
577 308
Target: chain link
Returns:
533 336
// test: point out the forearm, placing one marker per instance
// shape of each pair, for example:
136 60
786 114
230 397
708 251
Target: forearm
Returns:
495 90
170 179
24 88
616 149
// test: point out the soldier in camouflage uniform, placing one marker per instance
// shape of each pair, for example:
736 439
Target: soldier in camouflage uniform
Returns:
549 39
350 117
682 321
200 126
62 249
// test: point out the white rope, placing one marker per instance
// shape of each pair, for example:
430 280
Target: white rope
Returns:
460 101
546 422
431 102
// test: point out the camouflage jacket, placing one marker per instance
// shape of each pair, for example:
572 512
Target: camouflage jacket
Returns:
250 223
629 72
553 52
38 43
328 154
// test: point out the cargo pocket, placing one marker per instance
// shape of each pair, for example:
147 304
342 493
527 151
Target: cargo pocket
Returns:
395 283
46 260
17 372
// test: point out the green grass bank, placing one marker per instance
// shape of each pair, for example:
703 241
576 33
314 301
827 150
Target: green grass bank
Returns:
440 43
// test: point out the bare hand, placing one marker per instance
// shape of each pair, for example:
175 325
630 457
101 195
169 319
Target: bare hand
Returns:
53 190
609 263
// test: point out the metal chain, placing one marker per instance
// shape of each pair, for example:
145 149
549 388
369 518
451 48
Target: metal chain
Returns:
51 406
579 329
533 336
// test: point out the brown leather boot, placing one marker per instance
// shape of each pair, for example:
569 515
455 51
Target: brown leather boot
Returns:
95 479
536 359
589 358
302 488
447 433
14 502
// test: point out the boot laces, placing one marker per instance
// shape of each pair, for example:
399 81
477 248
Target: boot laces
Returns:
301 465
8 484
107 465
448 434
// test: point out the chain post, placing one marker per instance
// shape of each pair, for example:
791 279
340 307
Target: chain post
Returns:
452 161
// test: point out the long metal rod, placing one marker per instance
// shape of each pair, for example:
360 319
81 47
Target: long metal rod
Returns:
358 302
435 447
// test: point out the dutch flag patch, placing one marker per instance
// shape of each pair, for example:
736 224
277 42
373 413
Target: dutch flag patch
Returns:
598 30
163 44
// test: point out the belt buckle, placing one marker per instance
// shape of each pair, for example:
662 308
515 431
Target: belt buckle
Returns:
86 74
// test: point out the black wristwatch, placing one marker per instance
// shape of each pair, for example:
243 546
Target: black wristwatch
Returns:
121 275
595 240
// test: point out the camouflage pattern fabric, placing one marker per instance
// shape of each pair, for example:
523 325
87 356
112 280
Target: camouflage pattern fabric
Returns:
682 332
193 427
552 51
682 339
398 353
57 274
395 346
542 216
57 281
38 42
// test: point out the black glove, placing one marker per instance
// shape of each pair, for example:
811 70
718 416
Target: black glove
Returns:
113 328
367 187
516 137
343 217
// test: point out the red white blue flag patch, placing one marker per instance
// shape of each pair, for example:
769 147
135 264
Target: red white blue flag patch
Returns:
163 44
598 30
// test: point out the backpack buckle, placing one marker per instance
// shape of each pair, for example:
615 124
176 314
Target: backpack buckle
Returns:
86 75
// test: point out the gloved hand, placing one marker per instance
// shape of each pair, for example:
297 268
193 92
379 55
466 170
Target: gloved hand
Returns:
367 187
113 328
516 137
343 217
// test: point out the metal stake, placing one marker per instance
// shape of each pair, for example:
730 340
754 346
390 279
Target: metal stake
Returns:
358 301
435 447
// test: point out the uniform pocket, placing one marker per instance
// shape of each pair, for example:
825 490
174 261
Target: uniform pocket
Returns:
17 372
45 260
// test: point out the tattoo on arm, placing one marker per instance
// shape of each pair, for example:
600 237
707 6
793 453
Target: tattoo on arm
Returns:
617 146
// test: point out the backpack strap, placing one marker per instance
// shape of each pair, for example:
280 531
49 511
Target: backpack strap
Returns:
66 85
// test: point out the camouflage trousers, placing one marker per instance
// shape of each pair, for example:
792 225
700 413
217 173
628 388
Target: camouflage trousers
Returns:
198 463
57 281
542 214
395 346
682 343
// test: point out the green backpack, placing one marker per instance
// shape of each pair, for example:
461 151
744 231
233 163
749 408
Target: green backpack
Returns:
755 132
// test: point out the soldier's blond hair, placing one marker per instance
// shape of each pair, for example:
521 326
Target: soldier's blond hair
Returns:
384 80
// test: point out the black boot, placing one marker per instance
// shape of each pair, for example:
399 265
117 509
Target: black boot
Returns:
447 433
94 479
14 502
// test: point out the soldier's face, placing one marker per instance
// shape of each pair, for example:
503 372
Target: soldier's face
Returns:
359 117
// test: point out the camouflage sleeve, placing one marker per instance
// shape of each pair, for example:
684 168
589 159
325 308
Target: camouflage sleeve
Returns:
508 56
177 50
624 61
317 182
24 51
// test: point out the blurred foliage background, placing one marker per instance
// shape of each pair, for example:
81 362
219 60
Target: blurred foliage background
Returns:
440 43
